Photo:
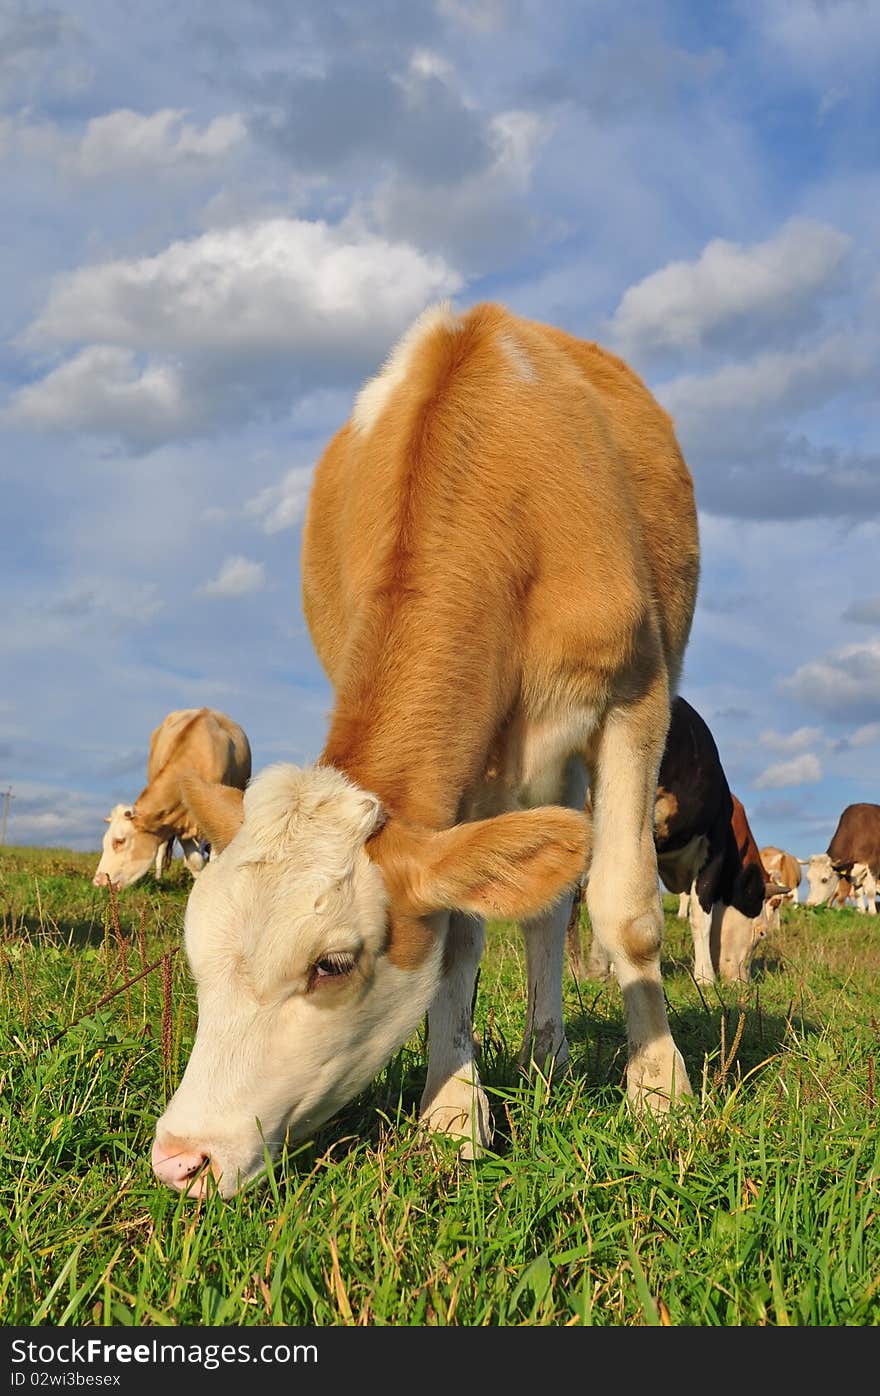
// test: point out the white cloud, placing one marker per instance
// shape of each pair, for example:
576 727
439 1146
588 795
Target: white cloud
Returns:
713 410
801 770
124 142
128 141
52 817
516 137
843 685
283 505
228 322
866 736
237 577
426 63
793 741
281 283
682 303
104 388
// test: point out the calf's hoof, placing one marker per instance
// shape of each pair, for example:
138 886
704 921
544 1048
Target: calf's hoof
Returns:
656 1077
546 1050
461 1110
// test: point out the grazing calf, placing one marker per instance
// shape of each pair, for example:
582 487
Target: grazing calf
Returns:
740 935
499 567
706 852
853 853
843 890
191 739
785 869
828 886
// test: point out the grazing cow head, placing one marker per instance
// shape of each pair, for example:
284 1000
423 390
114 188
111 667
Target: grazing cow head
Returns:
316 954
822 879
772 906
754 910
739 936
775 893
127 850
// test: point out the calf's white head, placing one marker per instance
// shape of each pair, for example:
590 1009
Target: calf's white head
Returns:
127 851
740 936
822 879
315 937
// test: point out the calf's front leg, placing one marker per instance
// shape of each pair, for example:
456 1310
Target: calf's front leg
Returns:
453 1101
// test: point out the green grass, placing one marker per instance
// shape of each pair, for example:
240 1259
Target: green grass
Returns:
757 1206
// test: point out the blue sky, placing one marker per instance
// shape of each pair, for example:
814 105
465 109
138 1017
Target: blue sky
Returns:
218 219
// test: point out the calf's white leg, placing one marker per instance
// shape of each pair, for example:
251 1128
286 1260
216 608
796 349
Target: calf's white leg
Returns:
701 931
623 894
544 1040
453 1100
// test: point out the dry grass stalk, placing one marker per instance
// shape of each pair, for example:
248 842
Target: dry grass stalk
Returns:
167 1016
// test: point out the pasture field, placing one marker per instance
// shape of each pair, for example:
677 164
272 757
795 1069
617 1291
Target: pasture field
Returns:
758 1204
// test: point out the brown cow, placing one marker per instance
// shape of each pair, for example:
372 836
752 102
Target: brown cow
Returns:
190 739
499 561
784 868
854 853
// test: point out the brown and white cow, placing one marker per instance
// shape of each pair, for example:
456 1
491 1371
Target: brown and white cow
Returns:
707 853
142 834
828 887
737 939
785 869
499 567
853 853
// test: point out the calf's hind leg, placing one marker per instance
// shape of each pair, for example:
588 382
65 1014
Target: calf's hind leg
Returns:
623 894
544 1041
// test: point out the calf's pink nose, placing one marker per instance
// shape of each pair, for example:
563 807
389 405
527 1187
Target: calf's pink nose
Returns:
179 1167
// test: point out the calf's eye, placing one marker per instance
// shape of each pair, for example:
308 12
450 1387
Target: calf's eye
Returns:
335 965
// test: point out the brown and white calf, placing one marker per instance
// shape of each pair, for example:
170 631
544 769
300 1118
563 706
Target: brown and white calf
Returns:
499 569
143 834
853 854
785 869
707 853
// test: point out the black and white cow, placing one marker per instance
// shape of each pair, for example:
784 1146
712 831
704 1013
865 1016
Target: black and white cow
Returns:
706 851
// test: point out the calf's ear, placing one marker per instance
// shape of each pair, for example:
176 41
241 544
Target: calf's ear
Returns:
514 865
217 809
